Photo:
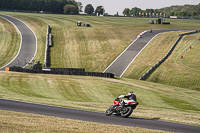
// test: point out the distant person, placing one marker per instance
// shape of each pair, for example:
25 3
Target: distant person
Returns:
151 31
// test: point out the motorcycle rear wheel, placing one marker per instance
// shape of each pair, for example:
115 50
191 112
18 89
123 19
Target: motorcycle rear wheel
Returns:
127 111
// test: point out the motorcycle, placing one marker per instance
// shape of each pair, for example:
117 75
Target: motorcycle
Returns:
121 107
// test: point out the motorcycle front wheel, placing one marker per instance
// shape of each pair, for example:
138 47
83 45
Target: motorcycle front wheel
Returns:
109 111
126 111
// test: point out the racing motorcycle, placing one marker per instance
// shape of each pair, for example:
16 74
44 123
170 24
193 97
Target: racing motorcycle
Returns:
121 107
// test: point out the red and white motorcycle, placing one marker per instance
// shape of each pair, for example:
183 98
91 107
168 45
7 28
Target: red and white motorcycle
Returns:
122 107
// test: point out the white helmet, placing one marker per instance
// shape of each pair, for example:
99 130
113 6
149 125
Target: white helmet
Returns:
130 93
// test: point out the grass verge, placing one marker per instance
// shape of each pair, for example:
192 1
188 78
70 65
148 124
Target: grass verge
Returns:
181 72
174 71
97 94
24 122
9 42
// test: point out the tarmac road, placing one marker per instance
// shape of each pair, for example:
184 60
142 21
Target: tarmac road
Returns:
28 45
122 62
68 113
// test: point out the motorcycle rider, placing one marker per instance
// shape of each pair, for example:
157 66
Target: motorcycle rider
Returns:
120 104
130 96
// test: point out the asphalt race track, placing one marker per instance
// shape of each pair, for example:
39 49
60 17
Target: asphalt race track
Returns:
28 43
119 65
95 116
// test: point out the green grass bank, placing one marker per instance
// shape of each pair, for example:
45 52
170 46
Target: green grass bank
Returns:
91 48
9 42
157 101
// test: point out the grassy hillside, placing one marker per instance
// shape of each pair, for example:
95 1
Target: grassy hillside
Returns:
153 53
156 101
9 42
176 72
95 48
92 48
181 72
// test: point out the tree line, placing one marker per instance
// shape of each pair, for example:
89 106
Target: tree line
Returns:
54 6
180 11
89 9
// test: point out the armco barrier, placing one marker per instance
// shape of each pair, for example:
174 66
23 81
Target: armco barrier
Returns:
63 71
150 71
49 43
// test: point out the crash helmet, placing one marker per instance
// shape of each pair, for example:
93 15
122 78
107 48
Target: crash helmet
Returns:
130 93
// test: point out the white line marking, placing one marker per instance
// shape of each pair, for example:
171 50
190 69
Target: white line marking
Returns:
21 40
138 54
121 53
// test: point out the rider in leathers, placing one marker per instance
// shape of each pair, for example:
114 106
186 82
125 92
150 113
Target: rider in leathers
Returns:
130 96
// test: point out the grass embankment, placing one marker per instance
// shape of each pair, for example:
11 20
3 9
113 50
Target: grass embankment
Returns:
181 72
153 53
31 123
174 71
9 42
156 101
91 48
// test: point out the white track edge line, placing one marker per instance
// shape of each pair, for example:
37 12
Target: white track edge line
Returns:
141 51
138 54
122 53
21 40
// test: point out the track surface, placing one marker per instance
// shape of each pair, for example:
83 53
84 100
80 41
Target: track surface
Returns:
95 116
119 65
28 43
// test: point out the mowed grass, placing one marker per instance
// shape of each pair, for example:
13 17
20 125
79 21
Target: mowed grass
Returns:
9 42
191 55
181 72
31 123
157 101
152 53
91 48
174 71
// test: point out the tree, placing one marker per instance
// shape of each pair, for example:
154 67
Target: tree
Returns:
135 11
99 10
171 13
126 12
89 9
194 14
70 9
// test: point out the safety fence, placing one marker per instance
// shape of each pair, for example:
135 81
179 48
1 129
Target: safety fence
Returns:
150 71
62 71
49 43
